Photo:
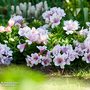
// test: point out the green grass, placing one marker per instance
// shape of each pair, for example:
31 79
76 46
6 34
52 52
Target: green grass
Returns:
34 80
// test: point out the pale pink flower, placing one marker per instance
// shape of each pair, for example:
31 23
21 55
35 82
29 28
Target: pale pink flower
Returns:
56 50
42 48
21 47
66 48
2 29
23 31
60 12
79 51
72 55
76 43
66 58
31 36
83 31
88 24
55 20
29 61
36 59
8 29
10 23
86 57
59 61
17 25
23 25
70 26
29 42
46 61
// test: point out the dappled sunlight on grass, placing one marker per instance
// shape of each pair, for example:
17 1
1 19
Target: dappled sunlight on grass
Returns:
23 78
63 83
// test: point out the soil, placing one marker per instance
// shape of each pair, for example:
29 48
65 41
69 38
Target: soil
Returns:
52 69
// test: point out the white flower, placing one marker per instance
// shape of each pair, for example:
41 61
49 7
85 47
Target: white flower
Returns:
88 24
56 50
46 61
42 48
59 61
36 59
86 57
29 61
70 26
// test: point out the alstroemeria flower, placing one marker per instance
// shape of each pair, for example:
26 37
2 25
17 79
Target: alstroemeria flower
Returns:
36 59
10 23
46 61
86 57
21 47
29 61
8 29
2 29
42 48
70 26
59 61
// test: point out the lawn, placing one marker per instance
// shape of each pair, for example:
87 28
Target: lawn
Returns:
29 79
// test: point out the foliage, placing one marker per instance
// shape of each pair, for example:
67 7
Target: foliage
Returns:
51 40
77 10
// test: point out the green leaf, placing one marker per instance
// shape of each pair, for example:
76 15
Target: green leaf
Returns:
85 11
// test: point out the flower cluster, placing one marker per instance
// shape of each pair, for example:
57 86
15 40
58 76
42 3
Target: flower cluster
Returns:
63 55
8 28
83 32
35 58
70 26
53 16
18 20
38 35
5 54
32 11
83 49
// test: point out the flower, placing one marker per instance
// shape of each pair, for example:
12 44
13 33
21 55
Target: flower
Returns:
42 48
55 20
70 26
18 25
23 31
86 57
46 61
10 23
5 54
53 16
35 58
17 19
2 29
72 55
83 31
29 61
64 48
56 50
59 61
8 29
88 24
21 47
79 51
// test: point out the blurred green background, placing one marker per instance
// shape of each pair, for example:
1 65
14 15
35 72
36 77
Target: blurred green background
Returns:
75 9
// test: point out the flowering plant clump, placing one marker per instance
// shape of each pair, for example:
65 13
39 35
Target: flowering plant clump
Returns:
18 20
70 26
53 16
35 58
58 42
5 54
38 35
